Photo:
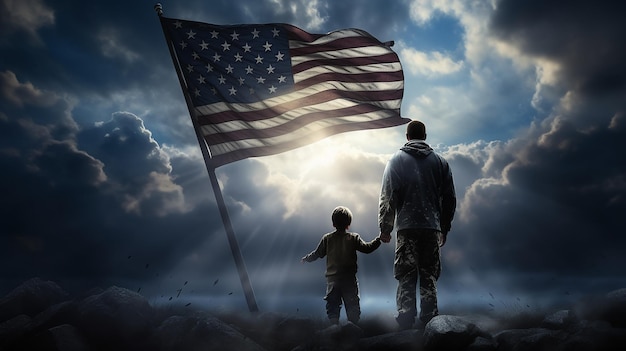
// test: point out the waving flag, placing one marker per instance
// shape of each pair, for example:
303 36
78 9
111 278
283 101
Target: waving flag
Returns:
261 89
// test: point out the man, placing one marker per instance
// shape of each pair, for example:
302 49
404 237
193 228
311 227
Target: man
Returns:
418 198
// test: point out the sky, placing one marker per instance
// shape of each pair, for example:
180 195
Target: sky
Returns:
103 182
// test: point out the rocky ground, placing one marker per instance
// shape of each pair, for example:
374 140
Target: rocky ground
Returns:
39 315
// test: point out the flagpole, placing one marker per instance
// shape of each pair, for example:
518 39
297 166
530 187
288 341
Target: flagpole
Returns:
230 233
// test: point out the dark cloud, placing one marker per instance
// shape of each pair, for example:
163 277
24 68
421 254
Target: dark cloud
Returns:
77 203
555 213
547 215
582 37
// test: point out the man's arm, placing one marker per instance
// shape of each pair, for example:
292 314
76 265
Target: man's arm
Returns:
386 204
448 202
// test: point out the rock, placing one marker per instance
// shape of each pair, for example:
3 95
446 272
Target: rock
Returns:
531 337
13 329
610 307
545 340
201 332
286 332
115 316
411 339
559 320
61 313
446 332
482 344
61 338
600 334
616 311
30 298
334 337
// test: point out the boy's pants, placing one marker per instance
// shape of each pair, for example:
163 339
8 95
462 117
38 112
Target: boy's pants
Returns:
417 256
344 288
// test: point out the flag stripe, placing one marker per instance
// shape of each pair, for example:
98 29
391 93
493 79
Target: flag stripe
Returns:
361 81
235 151
255 112
304 39
262 89
241 130
384 62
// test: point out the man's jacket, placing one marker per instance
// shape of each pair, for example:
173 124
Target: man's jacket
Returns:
417 190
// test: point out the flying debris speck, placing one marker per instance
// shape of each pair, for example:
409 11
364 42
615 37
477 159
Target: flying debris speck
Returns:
215 282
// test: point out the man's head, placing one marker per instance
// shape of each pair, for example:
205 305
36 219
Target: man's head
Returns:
342 217
416 130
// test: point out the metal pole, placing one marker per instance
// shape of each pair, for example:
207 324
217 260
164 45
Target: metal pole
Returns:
230 233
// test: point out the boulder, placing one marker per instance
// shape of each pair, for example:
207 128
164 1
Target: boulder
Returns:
13 329
405 340
446 332
293 330
482 344
559 320
30 298
200 332
600 334
114 317
610 307
64 337
523 339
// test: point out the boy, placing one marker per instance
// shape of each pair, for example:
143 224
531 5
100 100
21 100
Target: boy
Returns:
340 249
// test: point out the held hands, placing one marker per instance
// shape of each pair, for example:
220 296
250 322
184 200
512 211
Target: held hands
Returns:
442 238
385 237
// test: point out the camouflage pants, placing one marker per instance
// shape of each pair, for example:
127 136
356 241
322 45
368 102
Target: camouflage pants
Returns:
344 288
417 256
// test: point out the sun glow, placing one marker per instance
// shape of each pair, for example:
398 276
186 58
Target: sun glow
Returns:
324 154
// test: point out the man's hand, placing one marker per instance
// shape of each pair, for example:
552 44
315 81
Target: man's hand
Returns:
443 238
385 237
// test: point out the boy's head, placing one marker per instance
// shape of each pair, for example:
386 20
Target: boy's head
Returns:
342 217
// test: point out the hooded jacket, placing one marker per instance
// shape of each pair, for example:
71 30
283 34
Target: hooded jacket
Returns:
417 190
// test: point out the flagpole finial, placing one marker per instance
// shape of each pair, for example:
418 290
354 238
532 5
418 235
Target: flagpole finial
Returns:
159 9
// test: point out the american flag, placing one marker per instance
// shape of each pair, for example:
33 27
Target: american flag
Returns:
261 89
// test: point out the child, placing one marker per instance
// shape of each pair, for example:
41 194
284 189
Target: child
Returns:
340 249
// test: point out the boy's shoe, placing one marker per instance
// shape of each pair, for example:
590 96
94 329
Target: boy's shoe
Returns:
334 321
